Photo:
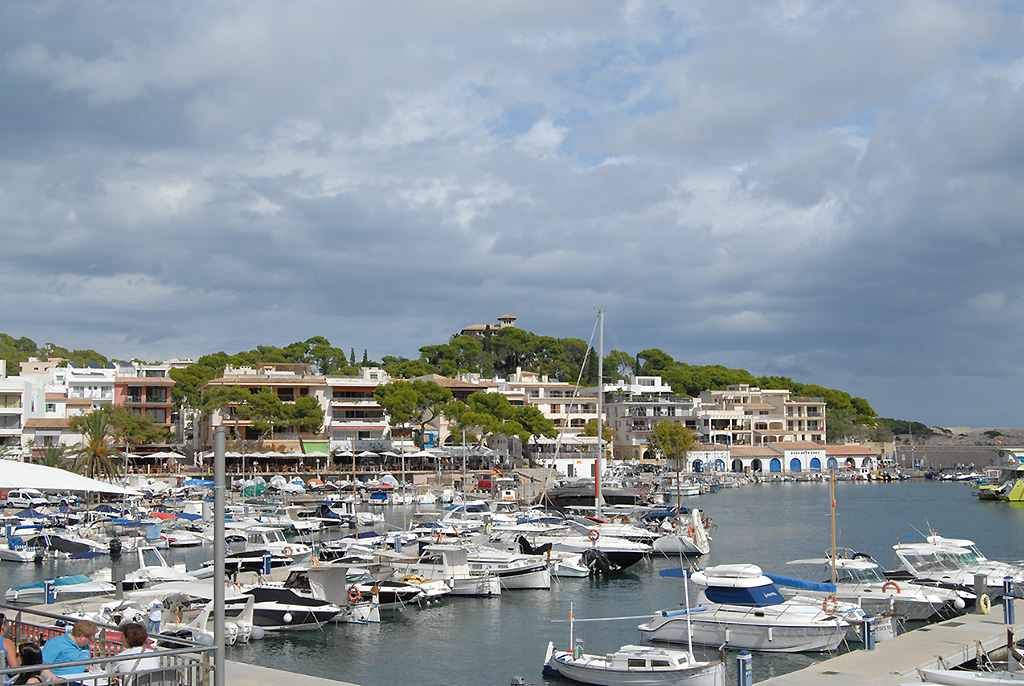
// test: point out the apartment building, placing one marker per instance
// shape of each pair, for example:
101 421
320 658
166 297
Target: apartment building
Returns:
11 408
635 405
353 418
747 415
146 390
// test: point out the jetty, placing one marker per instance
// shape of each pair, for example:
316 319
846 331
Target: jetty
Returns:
945 645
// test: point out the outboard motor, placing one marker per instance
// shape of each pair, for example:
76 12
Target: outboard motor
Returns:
115 547
597 561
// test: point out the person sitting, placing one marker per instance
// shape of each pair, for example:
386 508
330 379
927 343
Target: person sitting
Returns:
10 650
134 637
71 647
31 655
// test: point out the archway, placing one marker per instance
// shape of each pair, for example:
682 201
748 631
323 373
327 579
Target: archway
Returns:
832 464
851 463
737 465
719 465
755 465
775 465
794 465
815 464
698 466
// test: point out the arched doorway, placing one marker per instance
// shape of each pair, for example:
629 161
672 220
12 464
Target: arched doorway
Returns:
719 465
755 465
737 465
815 464
698 467
832 464
775 465
794 465
851 463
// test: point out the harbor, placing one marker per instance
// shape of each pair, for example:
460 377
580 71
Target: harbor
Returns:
766 524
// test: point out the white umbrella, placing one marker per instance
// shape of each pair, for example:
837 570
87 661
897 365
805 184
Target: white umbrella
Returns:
366 453
14 474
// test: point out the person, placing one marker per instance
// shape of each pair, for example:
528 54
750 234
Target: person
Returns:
134 638
30 655
70 647
156 614
10 650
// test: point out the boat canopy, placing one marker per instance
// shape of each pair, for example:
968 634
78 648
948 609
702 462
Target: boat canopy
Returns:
62 581
802 584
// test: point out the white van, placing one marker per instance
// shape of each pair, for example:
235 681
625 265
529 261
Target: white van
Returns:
22 498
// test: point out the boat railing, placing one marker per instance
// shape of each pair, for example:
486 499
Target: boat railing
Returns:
188 663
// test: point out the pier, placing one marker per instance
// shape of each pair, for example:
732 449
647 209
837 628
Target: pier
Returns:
944 645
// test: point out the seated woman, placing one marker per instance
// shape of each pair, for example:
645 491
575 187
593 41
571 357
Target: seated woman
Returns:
134 636
30 655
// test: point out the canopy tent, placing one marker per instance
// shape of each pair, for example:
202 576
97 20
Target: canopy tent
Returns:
14 474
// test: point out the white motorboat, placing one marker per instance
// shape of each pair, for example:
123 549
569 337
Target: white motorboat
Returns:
189 610
950 563
64 588
277 609
330 584
963 677
153 569
859 580
514 570
633 665
448 563
742 609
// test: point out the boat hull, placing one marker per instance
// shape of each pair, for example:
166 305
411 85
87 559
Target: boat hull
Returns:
746 631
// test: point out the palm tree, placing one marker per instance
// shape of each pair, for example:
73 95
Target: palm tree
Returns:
53 456
97 454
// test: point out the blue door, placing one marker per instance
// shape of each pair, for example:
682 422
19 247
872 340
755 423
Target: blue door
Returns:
794 464
775 465
815 464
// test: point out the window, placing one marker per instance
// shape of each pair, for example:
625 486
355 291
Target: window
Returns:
156 395
51 407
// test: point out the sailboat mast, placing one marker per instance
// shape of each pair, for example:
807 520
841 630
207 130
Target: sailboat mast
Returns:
832 496
600 398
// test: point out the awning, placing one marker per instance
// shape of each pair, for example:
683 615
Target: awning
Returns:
15 474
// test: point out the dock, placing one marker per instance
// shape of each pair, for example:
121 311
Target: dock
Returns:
242 674
944 645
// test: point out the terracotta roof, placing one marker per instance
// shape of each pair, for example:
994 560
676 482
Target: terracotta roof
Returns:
445 382
751 451
56 396
73 402
47 423
144 380
796 445
849 450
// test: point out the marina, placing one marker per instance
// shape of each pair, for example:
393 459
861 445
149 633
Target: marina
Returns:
767 524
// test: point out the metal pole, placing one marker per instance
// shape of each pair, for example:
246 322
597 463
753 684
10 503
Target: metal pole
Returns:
600 399
218 554
744 668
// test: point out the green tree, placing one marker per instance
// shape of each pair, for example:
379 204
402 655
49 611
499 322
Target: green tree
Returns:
414 403
671 440
97 454
133 429
590 430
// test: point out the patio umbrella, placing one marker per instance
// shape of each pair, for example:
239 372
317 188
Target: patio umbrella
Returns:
15 474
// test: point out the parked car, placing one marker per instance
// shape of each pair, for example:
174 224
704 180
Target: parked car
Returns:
22 498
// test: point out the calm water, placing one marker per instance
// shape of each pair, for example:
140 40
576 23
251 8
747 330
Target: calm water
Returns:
488 641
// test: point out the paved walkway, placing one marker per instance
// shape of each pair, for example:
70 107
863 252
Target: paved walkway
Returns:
242 674
936 646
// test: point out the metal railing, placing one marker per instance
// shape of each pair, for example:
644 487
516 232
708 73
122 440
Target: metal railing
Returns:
182 662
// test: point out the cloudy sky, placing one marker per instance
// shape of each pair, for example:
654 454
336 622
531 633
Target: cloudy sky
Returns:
831 191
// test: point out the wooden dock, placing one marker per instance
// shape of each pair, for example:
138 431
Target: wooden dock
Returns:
946 645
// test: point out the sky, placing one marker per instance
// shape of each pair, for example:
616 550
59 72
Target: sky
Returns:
829 191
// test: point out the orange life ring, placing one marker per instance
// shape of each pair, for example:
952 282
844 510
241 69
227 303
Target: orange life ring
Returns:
830 605
891 584
689 532
354 595
593 535
287 551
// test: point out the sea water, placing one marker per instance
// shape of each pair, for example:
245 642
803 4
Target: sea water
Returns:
490 640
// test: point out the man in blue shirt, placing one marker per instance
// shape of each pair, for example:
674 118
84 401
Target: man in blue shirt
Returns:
70 647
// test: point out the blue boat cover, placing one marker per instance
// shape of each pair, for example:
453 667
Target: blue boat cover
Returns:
803 584
63 581
189 516
757 596
197 482
676 573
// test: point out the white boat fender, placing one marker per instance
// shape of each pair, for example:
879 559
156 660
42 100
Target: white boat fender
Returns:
287 618
257 633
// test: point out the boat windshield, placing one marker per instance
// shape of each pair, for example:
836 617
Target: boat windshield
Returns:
859 576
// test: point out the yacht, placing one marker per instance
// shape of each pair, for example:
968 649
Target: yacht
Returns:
740 608
950 563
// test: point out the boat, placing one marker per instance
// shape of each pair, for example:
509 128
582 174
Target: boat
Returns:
514 570
445 562
949 563
63 588
684 534
963 677
277 609
582 492
860 580
631 665
742 609
153 569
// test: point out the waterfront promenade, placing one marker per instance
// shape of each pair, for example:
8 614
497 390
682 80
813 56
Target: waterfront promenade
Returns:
242 674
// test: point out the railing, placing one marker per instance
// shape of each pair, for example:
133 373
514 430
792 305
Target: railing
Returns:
185 663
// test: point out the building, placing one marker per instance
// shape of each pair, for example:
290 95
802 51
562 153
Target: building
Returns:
146 390
479 331
354 419
747 415
636 405
11 408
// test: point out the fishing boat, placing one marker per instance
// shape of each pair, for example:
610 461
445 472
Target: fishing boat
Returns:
742 609
631 665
